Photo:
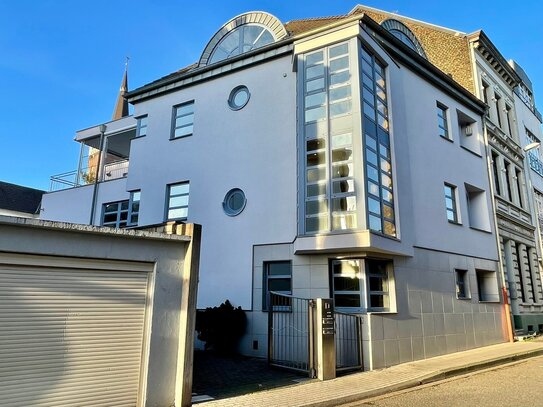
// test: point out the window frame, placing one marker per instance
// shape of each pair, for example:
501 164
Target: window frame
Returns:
169 196
454 198
443 114
131 211
465 284
139 125
364 292
175 117
119 211
265 286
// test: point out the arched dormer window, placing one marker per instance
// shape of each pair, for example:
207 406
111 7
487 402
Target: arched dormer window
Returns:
242 34
404 34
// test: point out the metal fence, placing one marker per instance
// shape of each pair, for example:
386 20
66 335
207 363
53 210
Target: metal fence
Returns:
348 342
290 333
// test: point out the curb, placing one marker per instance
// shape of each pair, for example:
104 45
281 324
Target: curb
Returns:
426 378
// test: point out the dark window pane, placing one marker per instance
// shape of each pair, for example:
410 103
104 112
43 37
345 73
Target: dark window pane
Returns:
282 268
347 300
279 284
346 284
377 301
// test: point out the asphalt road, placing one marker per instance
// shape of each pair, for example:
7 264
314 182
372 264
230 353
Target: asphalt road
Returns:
514 385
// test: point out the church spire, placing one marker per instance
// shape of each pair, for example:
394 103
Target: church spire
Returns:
121 106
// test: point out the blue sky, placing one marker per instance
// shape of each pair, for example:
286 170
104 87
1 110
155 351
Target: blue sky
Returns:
62 60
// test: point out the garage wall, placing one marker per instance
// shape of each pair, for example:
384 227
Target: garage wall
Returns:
167 322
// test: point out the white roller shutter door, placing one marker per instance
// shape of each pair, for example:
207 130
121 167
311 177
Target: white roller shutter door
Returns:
71 336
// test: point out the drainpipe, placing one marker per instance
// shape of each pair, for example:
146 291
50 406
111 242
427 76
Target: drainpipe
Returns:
98 174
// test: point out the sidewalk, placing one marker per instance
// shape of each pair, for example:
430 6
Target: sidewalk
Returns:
364 385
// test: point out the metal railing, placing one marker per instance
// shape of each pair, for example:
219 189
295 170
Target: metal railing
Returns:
290 333
535 164
72 179
114 170
348 342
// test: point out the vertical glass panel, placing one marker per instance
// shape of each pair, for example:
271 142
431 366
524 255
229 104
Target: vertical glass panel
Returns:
318 113
316 190
338 50
342 140
315 58
317 224
374 206
375 223
339 64
315 144
314 71
373 188
340 77
314 85
315 99
347 203
340 108
343 221
343 186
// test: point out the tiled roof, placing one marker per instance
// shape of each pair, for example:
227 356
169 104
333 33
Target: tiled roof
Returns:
18 198
296 27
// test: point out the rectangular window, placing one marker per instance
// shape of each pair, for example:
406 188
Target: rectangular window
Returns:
496 172
115 214
330 195
507 168
183 120
278 279
520 274
378 161
485 94
509 119
141 128
450 203
462 285
362 284
487 286
134 208
498 113
520 188
442 121
178 201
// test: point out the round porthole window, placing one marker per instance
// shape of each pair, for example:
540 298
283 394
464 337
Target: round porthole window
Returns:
238 97
234 202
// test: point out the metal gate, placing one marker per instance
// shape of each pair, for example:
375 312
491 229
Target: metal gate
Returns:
290 333
292 336
348 342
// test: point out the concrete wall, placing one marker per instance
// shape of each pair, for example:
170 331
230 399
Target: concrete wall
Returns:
430 319
166 253
253 149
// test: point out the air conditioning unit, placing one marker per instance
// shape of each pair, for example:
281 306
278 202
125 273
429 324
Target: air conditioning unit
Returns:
468 130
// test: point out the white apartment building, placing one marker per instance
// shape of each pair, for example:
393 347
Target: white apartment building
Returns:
324 158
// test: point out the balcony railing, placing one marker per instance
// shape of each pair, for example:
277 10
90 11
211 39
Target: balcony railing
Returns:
86 176
114 170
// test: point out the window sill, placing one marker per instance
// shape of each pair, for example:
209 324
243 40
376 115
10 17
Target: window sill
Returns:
382 312
464 298
446 138
180 137
489 302
454 223
472 152
481 230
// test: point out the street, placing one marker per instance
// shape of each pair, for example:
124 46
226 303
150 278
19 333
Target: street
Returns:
513 385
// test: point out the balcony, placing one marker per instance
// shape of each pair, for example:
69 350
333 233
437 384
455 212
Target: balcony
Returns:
105 154
535 163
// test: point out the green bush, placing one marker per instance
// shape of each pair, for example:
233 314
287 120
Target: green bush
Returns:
221 327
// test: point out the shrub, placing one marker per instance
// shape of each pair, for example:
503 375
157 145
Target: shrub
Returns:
221 327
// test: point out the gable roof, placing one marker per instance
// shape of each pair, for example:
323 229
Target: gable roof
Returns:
20 199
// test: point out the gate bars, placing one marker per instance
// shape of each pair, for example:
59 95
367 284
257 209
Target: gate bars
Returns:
291 336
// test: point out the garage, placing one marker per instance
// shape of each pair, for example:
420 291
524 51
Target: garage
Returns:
72 331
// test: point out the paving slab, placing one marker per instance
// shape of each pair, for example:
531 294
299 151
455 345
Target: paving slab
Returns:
364 385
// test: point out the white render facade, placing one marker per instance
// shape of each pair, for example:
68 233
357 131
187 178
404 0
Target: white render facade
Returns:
355 157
